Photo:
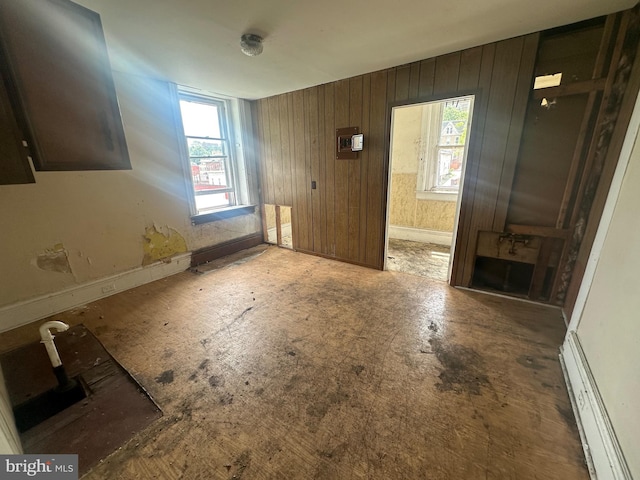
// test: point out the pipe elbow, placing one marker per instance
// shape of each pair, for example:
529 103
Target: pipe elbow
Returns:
45 333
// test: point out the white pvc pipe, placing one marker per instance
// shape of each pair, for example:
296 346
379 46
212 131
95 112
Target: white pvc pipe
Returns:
47 339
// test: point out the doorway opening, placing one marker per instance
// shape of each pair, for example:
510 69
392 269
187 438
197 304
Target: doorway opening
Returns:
428 153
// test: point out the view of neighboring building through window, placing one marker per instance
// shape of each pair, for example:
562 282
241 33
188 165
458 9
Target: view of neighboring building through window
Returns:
444 144
205 125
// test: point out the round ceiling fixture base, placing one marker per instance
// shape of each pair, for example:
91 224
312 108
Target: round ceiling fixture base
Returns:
251 44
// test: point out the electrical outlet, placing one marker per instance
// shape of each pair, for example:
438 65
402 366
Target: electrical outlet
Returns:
109 288
581 400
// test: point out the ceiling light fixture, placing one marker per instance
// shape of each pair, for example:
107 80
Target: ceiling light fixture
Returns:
251 44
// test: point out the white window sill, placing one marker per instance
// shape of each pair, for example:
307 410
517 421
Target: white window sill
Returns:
222 214
440 196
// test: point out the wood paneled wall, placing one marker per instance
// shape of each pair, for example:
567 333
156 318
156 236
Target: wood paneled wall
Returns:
344 217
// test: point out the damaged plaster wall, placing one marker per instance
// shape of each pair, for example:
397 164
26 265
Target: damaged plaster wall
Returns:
71 228
162 245
54 260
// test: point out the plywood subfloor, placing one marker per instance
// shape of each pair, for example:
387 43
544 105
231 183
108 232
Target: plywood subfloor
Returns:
417 258
294 366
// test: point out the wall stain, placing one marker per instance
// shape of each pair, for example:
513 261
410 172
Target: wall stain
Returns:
161 246
463 368
54 260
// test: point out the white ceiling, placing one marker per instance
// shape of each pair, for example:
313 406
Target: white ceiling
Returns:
196 42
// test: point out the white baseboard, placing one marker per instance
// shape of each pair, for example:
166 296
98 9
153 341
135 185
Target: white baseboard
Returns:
27 311
420 235
604 456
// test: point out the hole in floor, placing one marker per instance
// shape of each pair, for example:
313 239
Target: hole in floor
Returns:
105 410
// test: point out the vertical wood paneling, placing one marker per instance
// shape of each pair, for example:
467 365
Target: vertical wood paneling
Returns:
391 85
469 73
342 175
330 160
320 219
300 206
501 100
377 122
277 170
285 159
266 151
414 79
355 120
307 165
344 217
402 83
463 254
500 107
446 75
314 170
291 174
427 77
523 87
364 168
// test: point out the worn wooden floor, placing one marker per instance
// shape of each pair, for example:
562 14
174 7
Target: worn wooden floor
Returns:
292 366
417 258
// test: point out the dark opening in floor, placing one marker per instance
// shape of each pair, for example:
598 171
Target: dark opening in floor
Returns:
110 410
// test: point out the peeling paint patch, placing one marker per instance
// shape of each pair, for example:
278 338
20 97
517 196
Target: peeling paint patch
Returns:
54 260
160 246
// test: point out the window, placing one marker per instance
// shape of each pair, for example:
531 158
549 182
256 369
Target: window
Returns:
211 161
443 147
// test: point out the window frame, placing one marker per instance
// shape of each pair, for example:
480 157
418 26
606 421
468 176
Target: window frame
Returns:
432 120
227 139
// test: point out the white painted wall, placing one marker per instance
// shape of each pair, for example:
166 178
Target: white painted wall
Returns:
9 439
609 326
100 217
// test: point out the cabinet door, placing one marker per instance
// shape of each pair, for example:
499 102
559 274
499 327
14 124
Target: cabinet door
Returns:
14 165
60 68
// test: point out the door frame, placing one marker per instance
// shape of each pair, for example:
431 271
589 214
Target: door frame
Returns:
476 93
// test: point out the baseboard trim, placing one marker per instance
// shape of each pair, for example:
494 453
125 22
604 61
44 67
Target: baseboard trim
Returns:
603 453
420 235
27 311
223 249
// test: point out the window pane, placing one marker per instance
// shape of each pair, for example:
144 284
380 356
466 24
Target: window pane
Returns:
209 174
205 148
200 119
449 168
217 200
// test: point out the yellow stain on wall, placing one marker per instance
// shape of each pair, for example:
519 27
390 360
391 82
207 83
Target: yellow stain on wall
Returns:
408 211
403 199
158 246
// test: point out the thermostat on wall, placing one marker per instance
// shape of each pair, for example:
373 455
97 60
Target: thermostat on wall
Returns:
356 142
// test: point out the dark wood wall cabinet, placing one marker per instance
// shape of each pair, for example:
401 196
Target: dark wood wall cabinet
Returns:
539 166
59 85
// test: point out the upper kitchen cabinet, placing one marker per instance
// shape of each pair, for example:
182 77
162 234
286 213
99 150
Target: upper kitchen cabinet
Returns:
61 87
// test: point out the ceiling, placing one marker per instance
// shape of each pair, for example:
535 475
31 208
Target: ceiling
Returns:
196 42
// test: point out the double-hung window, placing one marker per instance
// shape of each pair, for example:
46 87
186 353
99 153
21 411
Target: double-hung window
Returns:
214 173
443 147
